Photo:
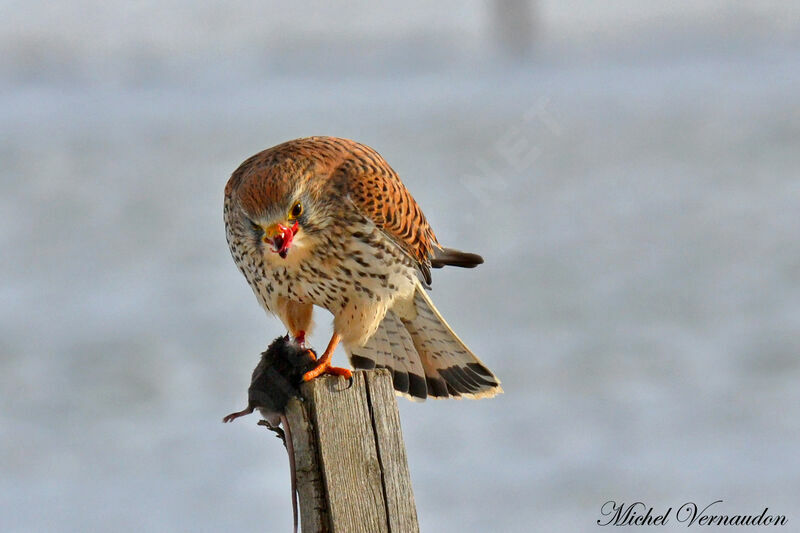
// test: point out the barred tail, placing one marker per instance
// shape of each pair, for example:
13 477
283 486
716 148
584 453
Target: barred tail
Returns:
424 354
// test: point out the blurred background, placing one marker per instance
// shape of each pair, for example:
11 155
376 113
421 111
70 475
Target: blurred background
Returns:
628 170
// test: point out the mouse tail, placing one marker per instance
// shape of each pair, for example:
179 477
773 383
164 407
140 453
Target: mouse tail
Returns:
292 468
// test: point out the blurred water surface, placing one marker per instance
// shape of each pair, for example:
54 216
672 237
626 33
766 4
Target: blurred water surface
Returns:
631 182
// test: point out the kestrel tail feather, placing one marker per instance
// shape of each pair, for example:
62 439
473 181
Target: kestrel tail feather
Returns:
443 257
421 349
392 347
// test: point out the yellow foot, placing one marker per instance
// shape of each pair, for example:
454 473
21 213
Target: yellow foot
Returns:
325 368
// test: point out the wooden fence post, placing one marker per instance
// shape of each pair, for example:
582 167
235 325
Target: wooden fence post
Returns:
352 470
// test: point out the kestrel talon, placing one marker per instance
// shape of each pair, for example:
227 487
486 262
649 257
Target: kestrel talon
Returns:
327 222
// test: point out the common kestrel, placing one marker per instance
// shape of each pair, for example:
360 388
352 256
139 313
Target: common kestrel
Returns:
326 221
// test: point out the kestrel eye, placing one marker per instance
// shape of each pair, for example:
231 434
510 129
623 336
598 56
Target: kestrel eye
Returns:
297 210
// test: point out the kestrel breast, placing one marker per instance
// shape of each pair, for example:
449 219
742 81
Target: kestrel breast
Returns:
360 247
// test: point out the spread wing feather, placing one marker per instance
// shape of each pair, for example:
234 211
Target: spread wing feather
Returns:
425 356
392 347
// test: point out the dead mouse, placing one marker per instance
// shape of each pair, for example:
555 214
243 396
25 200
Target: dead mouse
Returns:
276 378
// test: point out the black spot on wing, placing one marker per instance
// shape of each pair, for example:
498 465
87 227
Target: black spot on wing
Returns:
480 369
450 379
480 380
474 385
452 390
437 388
455 380
417 387
469 378
400 380
362 362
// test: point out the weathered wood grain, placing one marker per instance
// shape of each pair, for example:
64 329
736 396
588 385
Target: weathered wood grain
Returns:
397 489
351 463
313 509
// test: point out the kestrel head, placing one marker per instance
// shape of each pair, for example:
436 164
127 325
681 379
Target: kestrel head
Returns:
277 200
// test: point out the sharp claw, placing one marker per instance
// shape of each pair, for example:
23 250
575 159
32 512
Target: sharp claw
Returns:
279 433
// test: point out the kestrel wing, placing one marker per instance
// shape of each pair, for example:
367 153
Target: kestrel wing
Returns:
377 192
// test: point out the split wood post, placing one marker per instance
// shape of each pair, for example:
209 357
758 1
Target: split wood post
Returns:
352 471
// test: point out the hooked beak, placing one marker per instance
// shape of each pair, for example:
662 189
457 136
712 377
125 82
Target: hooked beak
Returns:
280 237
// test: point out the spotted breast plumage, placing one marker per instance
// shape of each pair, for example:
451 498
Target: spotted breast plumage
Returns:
326 221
